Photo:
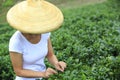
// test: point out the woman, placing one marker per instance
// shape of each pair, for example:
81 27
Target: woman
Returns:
30 44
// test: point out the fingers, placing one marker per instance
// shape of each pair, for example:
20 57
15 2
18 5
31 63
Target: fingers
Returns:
52 71
49 72
61 66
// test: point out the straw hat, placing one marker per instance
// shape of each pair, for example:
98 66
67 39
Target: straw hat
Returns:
35 16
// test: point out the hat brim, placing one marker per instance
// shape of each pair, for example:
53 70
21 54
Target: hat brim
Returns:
29 19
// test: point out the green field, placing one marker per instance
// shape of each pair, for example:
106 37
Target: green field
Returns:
5 5
88 41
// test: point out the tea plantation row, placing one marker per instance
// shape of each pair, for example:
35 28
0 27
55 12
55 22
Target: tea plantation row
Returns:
88 41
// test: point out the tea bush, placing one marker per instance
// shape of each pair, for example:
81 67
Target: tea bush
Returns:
6 3
88 41
6 71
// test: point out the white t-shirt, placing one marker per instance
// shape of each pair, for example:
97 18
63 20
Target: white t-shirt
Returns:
33 54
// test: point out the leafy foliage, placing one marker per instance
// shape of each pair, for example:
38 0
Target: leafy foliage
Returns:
7 3
88 42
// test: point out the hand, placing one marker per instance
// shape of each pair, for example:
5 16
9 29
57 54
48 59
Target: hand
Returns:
60 66
49 72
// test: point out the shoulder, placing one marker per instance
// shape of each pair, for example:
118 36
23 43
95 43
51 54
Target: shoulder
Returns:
15 42
46 35
16 36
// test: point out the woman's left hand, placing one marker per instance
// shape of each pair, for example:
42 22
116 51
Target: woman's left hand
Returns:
60 66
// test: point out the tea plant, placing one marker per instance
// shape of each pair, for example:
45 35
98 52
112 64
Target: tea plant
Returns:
88 41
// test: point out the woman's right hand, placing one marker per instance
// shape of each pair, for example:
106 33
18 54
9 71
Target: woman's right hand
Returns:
49 72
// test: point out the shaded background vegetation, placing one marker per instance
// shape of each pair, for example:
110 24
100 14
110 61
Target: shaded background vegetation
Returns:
6 4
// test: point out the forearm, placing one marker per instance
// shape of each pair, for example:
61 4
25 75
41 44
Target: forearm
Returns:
29 73
52 59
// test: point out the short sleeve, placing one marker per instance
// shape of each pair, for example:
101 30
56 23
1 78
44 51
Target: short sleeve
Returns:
15 46
46 35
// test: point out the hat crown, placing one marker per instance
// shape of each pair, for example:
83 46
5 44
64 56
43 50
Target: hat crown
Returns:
35 3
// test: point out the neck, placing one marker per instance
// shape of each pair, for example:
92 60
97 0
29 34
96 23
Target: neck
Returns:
32 38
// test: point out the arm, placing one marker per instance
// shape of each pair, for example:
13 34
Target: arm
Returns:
59 65
16 59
